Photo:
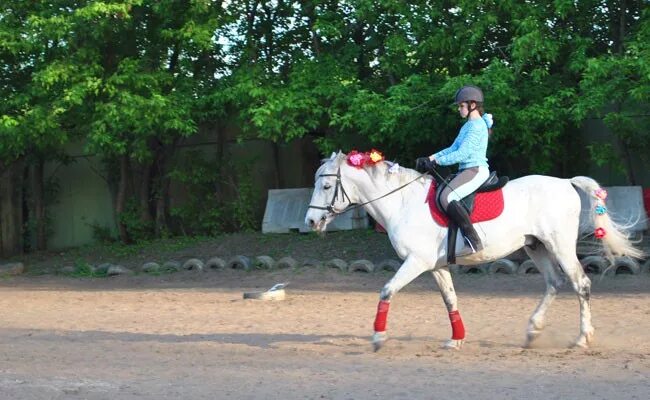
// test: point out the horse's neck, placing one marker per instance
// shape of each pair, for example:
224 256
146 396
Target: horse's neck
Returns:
391 209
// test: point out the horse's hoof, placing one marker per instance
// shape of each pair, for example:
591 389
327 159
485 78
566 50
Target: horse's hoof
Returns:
453 344
584 341
378 340
531 336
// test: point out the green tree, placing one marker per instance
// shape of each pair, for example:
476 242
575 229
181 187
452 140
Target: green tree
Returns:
616 87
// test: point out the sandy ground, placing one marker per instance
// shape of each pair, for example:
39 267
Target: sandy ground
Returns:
191 336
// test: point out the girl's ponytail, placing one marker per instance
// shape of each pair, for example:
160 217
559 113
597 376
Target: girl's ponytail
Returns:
488 121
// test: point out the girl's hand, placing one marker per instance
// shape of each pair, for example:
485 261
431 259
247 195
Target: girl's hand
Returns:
432 159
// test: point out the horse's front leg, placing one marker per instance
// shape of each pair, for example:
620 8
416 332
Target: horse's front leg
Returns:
410 269
446 286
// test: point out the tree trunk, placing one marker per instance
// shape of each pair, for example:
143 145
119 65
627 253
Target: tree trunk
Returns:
627 158
38 192
279 182
11 209
250 39
221 144
162 203
621 28
165 154
120 201
359 38
144 196
309 11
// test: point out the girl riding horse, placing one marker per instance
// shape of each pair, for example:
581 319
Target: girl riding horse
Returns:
469 152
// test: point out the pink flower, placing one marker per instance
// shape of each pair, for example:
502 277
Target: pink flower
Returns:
600 233
600 193
356 159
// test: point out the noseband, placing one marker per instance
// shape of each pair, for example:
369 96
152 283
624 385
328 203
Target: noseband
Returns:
340 191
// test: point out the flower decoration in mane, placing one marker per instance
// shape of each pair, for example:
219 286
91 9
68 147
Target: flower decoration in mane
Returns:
375 156
358 160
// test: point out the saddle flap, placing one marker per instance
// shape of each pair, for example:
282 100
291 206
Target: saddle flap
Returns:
488 206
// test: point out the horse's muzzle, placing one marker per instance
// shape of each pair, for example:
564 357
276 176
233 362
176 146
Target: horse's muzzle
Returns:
317 225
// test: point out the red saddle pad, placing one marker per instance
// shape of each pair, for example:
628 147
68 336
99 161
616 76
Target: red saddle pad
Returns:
487 206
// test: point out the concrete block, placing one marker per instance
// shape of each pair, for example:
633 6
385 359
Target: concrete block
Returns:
286 208
625 207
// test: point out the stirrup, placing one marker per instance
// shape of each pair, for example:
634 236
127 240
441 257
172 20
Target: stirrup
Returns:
467 248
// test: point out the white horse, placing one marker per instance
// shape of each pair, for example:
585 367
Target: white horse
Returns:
541 215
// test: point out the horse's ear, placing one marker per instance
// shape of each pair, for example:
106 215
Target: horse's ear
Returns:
333 156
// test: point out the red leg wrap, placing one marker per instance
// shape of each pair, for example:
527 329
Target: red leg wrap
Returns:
382 313
457 327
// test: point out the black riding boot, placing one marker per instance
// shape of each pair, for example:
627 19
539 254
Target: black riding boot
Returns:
458 213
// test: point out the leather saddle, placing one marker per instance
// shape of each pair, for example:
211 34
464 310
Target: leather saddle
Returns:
493 182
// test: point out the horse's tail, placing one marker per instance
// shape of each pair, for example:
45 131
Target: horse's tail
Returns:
615 241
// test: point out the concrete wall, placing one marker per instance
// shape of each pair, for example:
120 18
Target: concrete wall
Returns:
83 200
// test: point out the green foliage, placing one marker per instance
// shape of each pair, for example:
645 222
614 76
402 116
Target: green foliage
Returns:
52 188
616 88
137 229
242 209
129 77
204 211
101 234
200 213
84 270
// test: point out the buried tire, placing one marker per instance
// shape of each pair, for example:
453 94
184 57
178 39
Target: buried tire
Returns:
594 264
362 266
528 267
624 265
503 266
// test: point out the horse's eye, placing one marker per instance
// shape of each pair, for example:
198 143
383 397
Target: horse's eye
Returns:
327 186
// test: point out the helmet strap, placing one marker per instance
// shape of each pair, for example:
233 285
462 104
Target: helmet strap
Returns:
470 110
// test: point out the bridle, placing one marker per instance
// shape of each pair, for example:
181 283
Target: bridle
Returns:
340 191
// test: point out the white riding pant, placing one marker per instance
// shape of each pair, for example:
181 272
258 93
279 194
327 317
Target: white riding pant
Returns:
464 184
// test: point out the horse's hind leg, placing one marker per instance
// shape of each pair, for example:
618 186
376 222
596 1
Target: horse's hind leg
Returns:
566 256
582 286
546 265
446 286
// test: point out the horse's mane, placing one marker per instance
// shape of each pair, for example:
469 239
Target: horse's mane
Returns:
379 171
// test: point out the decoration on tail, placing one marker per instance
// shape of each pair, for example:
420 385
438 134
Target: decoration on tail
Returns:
600 193
600 209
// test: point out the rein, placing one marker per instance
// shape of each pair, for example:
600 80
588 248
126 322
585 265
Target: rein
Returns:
344 195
